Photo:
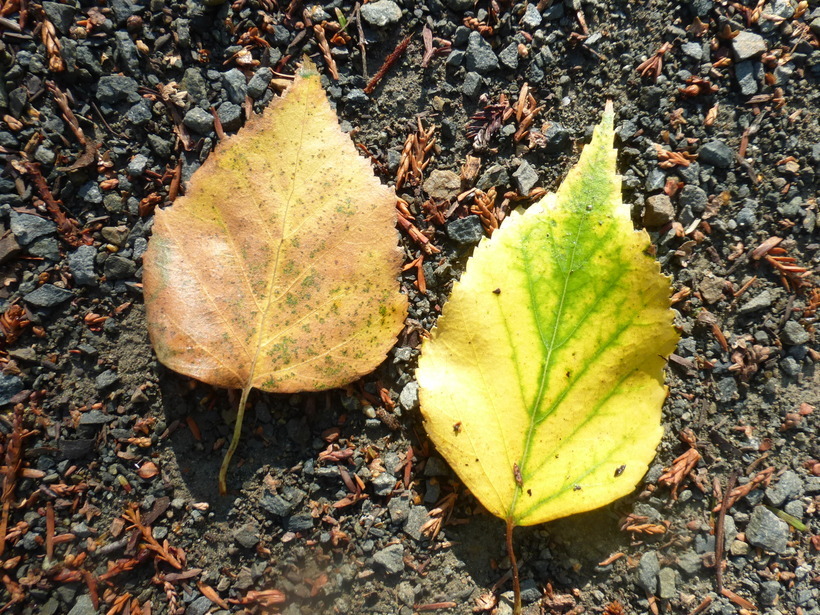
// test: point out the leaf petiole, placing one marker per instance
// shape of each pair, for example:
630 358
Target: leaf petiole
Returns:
514 569
237 434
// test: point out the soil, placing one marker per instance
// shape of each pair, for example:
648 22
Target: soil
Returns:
106 430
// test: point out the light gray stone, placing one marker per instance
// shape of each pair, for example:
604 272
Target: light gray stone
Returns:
442 184
647 574
761 301
747 45
794 334
767 531
391 559
381 13
524 178
28 228
788 487
81 265
409 396
532 18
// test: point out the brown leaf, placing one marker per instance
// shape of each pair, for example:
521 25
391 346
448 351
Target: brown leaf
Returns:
148 470
278 269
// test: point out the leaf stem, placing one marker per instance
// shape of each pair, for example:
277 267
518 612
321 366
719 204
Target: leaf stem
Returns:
237 434
514 568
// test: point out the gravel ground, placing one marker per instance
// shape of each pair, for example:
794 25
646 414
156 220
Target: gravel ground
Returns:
107 108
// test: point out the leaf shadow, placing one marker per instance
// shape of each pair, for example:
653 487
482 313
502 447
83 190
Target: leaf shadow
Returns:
564 553
281 436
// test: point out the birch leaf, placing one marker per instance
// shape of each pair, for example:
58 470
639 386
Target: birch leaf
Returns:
542 384
279 268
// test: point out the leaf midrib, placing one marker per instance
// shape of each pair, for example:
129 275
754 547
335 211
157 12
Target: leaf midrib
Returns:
548 358
275 271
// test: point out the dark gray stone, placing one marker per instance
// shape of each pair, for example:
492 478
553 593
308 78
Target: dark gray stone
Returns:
391 559
794 334
524 178
658 212
769 592
509 56
700 8
230 115
530 592
83 606
494 176
416 518
28 228
460 5
61 15
81 264
194 83
116 88
200 606
745 75
788 487
556 11
139 113
693 197
199 120
9 387
90 192
123 9
689 562
716 153
302 522
647 574
137 165
276 505
455 58
48 296
247 535
383 484
767 531
465 231
726 389
259 82
471 87
746 217
119 268
556 139
106 380
790 367
127 52
381 13
357 98
480 57
747 45
235 85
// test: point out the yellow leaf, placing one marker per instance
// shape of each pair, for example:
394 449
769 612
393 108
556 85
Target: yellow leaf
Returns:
278 269
542 384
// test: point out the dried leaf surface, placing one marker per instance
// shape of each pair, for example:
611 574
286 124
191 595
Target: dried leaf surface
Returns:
278 270
542 384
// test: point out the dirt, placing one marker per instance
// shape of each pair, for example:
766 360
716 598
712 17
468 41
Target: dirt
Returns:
745 406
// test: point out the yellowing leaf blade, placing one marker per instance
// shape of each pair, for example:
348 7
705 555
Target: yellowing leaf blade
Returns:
542 383
278 270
